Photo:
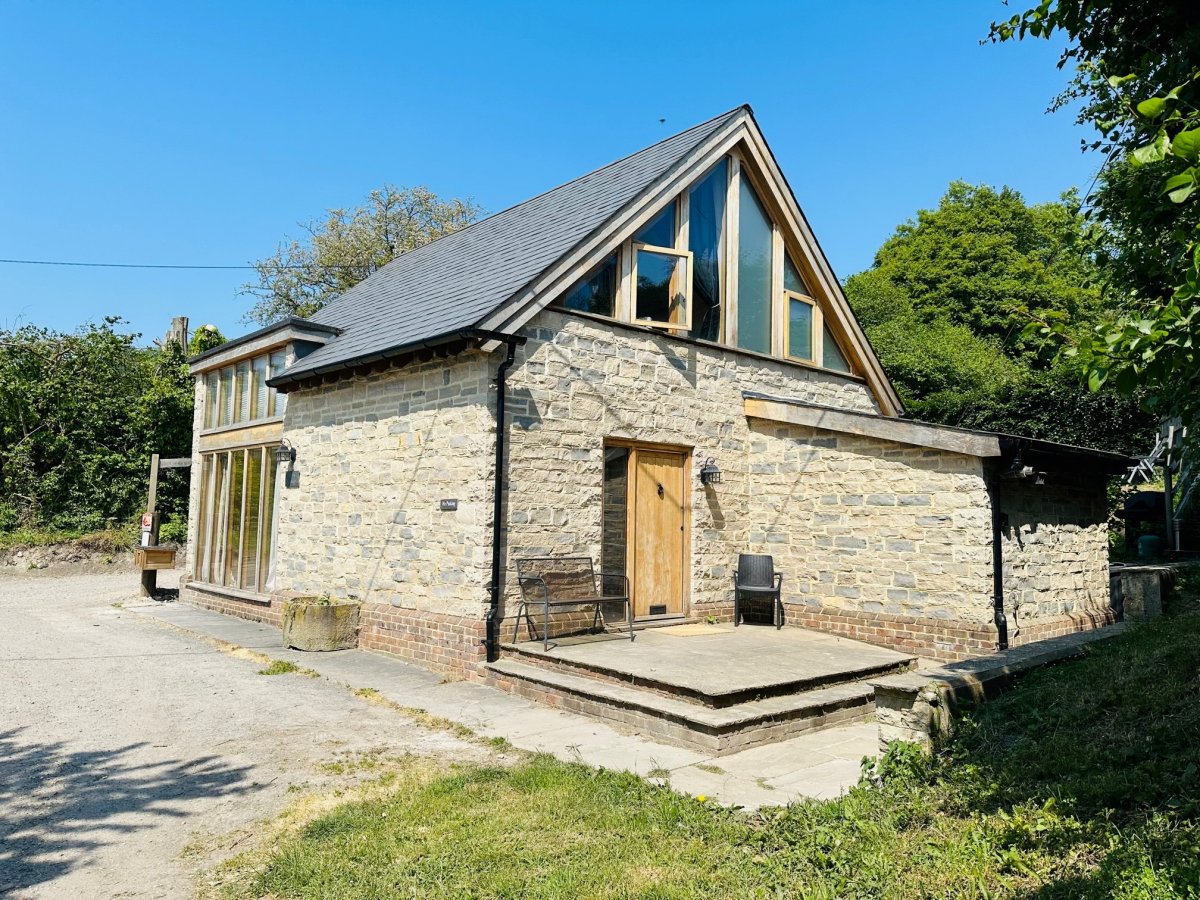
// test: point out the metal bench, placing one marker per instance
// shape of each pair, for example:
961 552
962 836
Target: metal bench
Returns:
549 582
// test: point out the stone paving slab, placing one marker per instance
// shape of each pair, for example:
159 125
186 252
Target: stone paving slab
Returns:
821 764
720 660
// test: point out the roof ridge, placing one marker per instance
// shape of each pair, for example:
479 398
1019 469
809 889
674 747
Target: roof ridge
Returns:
725 115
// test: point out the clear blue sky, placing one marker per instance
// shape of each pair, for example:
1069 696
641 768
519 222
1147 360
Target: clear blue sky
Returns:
201 133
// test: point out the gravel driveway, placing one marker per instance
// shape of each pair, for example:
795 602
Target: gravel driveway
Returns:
122 741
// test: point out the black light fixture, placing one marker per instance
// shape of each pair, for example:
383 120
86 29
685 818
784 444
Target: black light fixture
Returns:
285 453
710 473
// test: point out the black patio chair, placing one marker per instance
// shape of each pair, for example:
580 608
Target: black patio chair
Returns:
756 579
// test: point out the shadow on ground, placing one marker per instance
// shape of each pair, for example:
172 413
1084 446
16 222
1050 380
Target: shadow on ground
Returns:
58 806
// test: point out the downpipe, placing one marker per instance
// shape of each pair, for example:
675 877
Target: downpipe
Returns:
492 636
999 522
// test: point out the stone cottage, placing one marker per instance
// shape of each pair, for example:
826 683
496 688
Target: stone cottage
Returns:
551 380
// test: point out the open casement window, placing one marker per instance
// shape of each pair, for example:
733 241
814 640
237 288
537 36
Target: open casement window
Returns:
662 287
661 274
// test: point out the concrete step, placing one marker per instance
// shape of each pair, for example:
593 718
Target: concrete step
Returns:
876 664
678 721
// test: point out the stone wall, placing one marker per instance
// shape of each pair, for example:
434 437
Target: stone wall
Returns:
874 533
878 541
1055 543
375 456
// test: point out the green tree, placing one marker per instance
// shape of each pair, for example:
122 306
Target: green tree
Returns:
80 414
1137 82
982 254
302 276
943 307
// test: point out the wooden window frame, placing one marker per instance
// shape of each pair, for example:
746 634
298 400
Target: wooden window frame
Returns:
816 339
737 168
213 539
686 255
222 406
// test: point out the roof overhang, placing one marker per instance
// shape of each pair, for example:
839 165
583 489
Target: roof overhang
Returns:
448 344
984 444
277 334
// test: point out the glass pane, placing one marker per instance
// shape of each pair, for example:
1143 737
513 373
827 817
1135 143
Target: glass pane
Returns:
212 400
832 353
706 213
660 280
259 409
242 382
233 529
614 522
659 231
791 277
214 565
248 578
800 322
226 397
595 294
266 542
754 273
204 518
276 400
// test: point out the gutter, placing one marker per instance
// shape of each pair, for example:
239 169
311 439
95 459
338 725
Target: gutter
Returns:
492 634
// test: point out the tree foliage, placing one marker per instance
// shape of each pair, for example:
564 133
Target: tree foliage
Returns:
205 338
80 414
944 307
302 276
1137 76
982 254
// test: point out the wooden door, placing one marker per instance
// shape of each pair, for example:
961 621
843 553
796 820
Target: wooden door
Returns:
658 540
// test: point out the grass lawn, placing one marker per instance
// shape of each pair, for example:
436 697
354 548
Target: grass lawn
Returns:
1082 782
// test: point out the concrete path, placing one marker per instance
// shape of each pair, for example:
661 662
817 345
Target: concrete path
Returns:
820 765
122 742
128 735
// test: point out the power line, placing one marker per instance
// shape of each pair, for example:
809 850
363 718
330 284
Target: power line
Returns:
102 265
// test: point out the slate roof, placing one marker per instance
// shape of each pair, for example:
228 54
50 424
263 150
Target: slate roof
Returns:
456 281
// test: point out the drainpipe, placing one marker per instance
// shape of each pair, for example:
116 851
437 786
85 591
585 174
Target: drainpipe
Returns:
998 523
492 640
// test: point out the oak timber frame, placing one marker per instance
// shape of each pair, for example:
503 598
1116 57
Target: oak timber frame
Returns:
749 157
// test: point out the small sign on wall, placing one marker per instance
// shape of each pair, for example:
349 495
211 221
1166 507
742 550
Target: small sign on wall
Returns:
449 505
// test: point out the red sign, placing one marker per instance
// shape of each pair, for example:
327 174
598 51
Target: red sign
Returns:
147 521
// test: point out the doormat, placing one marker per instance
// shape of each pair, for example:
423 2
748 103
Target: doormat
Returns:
696 628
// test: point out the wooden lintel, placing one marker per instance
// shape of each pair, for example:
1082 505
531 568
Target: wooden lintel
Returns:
884 428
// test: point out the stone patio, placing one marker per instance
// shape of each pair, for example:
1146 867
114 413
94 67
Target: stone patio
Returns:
710 687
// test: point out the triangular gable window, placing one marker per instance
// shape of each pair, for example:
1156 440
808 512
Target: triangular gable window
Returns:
713 264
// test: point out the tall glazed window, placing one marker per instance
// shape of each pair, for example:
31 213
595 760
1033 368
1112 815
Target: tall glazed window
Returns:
754 272
235 540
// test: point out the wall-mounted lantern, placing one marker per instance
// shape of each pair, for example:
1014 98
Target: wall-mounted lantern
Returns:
710 473
286 453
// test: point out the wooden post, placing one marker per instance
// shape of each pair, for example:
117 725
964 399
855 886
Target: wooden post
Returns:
150 576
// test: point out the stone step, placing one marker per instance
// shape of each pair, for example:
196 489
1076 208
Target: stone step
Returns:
876 664
677 721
